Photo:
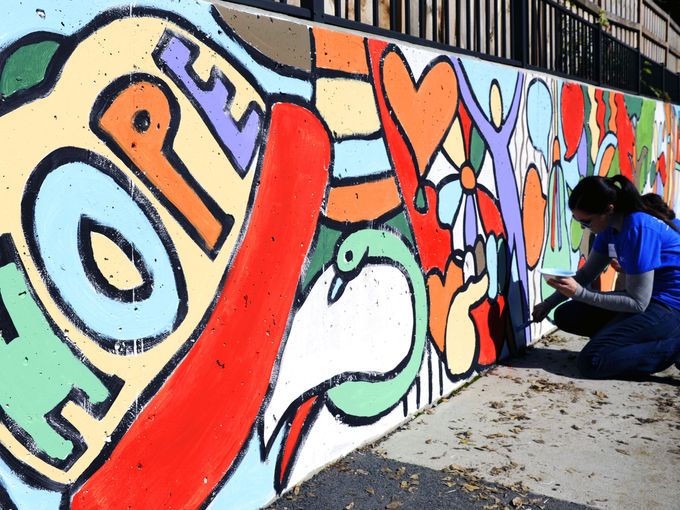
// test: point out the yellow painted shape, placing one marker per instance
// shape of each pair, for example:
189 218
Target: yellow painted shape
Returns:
62 119
454 145
496 104
461 336
114 265
347 105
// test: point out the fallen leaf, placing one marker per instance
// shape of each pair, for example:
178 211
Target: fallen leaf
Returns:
393 505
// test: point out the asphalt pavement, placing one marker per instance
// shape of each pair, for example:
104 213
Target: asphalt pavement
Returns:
529 434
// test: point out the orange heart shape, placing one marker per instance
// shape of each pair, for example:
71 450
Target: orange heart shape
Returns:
425 110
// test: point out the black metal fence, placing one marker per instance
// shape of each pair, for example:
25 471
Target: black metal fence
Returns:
535 34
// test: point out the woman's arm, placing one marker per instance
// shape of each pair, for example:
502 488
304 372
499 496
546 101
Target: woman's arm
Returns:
634 299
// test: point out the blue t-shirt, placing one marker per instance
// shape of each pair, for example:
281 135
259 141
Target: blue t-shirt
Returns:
646 243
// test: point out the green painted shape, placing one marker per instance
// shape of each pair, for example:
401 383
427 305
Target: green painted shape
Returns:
401 225
633 105
420 201
644 136
26 66
327 240
371 398
37 370
587 106
559 257
477 150
615 168
607 109
576 234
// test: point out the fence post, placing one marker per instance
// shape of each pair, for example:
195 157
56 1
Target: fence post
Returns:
519 35
315 8
597 56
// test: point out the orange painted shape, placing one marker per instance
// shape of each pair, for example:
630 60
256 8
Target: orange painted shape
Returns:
362 202
556 151
612 115
340 52
468 180
426 110
145 148
533 216
606 161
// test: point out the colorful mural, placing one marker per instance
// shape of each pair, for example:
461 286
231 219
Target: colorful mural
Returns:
234 247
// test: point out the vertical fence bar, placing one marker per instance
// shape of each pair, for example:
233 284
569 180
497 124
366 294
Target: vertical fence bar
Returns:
496 28
458 40
315 8
434 21
394 4
478 26
599 68
468 36
422 12
487 24
376 13
408 17
446 35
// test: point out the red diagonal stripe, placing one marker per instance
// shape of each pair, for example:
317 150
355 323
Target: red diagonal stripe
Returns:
191 432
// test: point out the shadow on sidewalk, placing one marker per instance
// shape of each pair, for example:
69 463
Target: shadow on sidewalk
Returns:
562 362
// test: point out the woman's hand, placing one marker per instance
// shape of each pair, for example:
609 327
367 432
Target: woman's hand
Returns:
541 311
564 285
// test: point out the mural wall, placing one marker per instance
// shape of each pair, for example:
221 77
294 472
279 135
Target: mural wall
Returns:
234 247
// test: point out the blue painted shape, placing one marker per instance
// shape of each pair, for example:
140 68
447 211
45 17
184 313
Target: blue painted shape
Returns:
252 484
608 140
492 266
360 158
482 74
23 495
448 202
539 110
66 195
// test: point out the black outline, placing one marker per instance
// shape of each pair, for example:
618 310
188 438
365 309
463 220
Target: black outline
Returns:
53 67
105 99
99 281
6 502
8 330
533 144
281 478
67 155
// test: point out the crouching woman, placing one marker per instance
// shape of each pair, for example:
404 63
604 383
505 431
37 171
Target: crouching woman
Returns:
635 331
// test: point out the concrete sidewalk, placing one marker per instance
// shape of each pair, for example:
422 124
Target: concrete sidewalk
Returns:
529 434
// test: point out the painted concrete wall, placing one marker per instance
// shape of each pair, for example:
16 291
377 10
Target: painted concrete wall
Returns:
234 247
